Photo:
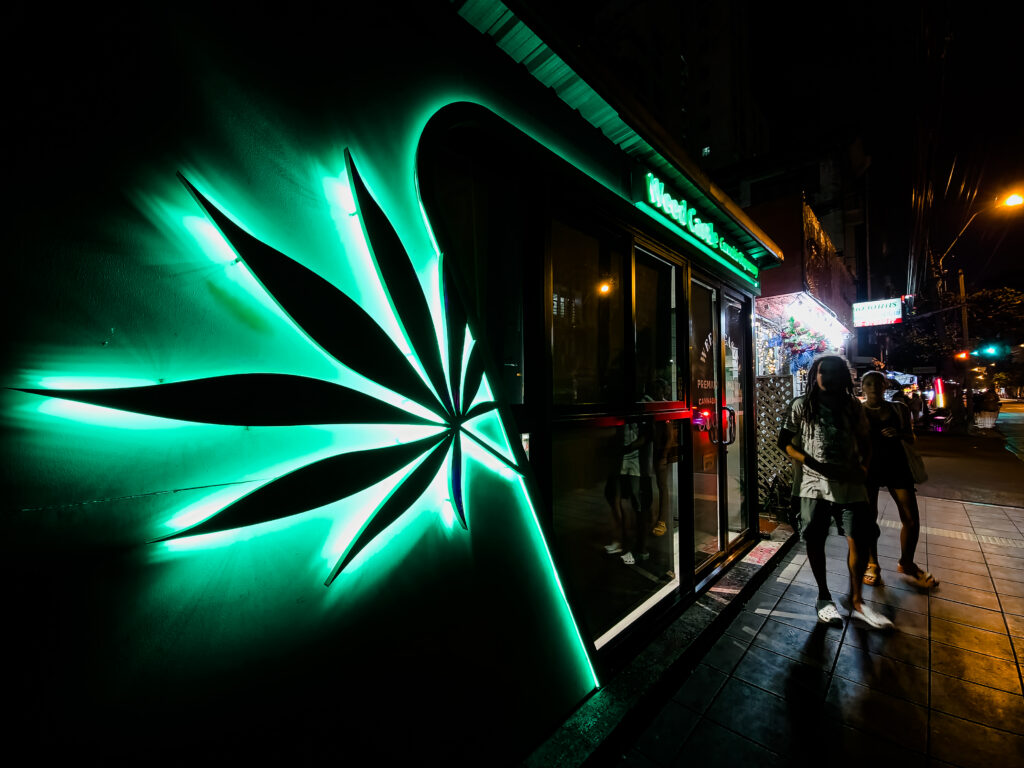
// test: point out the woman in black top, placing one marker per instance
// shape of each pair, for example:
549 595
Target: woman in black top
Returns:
891 426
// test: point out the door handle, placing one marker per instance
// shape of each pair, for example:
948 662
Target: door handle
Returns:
714 427
732 425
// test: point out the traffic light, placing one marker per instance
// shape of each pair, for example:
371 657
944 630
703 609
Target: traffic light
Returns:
962 355
991 349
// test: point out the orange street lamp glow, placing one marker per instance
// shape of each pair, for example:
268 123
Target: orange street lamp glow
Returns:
1014 199
604 287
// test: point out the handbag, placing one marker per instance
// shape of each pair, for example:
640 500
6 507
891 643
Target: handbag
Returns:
917 470
914 460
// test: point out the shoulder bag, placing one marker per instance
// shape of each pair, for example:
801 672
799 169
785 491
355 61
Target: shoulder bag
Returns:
914 460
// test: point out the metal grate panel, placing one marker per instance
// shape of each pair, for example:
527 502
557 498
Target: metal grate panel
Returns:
774 470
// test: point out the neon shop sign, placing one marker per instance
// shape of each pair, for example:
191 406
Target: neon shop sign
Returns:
687 216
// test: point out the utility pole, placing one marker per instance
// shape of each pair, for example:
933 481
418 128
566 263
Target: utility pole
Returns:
967 345
963 310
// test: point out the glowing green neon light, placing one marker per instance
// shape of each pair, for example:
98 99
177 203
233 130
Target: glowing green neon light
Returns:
542 543
483 395
487 474
467 349
687 217
696 243
488 428
90 382
477 453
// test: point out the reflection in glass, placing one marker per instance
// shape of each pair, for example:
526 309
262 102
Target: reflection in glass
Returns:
704 388
587 320
605 492
735 346
655 328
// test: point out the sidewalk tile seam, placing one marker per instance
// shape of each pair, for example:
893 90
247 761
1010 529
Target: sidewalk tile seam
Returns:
972 650
972 682
944 713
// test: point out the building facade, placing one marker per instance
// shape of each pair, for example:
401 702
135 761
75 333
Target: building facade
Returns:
374 367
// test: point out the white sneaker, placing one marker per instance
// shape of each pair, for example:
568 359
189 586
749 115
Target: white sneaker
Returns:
628 559
614 548
828 613
871 617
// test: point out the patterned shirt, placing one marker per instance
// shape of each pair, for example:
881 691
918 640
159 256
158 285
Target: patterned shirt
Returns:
832 440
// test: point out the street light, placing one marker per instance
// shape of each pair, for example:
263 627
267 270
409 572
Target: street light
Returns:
1011 201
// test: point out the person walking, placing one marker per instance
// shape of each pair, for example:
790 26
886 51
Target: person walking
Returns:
916 405
988 408
826 434
890 424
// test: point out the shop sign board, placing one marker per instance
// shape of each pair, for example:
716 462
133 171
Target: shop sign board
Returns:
881 312
688 218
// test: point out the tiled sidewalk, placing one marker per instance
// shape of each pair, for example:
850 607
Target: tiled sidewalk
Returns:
943 689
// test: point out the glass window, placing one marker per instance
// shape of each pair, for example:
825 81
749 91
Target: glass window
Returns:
611 479
655 315
587 301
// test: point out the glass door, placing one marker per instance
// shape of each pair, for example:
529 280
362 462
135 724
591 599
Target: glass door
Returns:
719 360
704 380
734 442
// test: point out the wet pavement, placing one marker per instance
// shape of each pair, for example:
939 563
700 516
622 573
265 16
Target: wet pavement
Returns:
942 689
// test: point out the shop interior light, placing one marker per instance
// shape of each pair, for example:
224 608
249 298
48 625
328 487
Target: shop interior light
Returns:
811 314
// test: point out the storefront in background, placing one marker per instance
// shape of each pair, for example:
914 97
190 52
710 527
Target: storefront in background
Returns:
791 330
805 310
342 387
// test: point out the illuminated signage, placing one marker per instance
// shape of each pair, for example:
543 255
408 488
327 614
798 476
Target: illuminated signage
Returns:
689 220
881 312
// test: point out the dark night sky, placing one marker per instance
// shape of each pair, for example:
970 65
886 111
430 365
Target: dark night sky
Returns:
935 93
928 86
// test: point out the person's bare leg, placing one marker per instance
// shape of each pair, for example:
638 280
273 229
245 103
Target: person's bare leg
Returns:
857 563
906 503
873 549
872 554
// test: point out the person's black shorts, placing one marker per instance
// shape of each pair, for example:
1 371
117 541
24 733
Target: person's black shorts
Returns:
816 515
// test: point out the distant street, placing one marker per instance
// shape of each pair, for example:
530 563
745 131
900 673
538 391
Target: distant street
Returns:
1011 424
977 467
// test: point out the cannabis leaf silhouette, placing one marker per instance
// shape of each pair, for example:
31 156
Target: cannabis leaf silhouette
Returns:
344 330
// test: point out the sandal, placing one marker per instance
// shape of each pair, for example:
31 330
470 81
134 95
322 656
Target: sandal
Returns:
873 575
872 618
922 579
828 613
659 528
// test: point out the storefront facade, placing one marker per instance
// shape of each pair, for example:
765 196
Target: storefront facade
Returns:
340 388
805 311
